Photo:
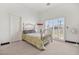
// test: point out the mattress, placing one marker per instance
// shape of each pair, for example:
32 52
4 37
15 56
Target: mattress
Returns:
34 34
37 34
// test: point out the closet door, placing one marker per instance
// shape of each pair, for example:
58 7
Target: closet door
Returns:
15 28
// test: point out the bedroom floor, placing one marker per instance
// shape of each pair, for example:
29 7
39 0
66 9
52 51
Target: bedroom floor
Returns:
54 48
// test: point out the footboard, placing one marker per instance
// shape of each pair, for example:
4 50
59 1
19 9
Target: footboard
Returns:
47 35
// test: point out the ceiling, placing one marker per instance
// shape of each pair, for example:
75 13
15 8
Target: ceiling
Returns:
35 7
38 7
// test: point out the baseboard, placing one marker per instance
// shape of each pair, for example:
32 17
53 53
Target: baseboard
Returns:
5 43
72 42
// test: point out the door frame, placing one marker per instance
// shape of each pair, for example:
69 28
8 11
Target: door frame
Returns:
20 18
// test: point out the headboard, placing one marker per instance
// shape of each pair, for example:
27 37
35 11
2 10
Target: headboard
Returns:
28 28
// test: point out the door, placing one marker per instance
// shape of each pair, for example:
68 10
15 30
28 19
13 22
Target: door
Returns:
58 29
15 28
57 26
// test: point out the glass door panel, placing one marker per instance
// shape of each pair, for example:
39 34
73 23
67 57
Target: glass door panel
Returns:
57 26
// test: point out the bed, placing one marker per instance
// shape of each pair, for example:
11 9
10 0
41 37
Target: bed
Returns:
37 39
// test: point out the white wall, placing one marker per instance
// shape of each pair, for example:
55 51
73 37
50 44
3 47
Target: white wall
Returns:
4 26
71 14
69 11
16 9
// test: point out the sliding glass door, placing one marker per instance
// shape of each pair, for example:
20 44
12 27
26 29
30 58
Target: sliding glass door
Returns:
57 26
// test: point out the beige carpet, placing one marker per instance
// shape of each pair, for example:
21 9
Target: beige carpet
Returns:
54 48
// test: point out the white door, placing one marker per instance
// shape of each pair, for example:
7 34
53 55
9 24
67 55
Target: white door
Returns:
15 28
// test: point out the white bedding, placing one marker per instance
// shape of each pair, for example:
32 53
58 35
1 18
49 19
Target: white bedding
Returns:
34 34
37 34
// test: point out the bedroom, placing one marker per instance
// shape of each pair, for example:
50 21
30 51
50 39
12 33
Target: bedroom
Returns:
17 17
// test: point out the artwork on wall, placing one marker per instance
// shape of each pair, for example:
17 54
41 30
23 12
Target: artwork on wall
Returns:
40 24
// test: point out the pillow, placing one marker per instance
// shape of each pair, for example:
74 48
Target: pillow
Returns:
28 31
